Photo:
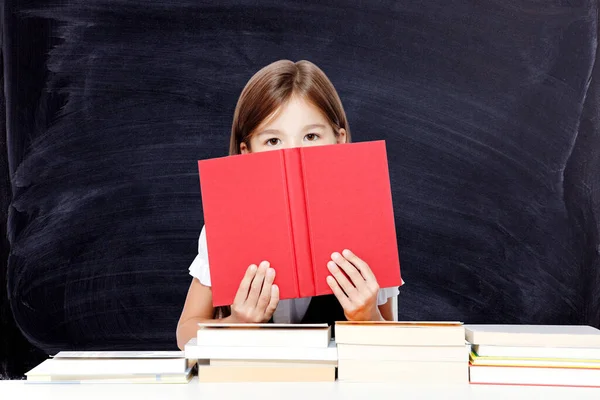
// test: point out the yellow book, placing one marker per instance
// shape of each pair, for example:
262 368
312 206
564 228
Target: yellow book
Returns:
533 362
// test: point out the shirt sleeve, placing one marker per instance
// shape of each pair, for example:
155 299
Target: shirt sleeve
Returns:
385 293
199 268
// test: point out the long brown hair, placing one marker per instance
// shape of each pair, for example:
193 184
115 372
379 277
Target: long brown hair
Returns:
269 89
273 86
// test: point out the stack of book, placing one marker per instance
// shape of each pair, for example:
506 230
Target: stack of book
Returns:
549 355
264 353
402 352
114 367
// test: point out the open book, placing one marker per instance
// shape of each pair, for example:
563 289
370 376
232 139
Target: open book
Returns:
294 208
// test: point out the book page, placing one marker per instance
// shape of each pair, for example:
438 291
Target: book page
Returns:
120 354
402 323
535 329
263 326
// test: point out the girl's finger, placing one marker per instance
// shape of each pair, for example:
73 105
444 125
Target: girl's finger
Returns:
242 292
341 279
265 294
339 293
362 266
353 273
256 285
273 302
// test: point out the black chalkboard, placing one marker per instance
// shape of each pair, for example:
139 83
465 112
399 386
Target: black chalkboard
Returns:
489 110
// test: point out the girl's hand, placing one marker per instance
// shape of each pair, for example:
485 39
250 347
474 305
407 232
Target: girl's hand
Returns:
357 296
257 296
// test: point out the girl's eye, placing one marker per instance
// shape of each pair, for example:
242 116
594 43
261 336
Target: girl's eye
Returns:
272 142
312 137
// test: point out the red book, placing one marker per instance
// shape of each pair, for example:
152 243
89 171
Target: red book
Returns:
294 208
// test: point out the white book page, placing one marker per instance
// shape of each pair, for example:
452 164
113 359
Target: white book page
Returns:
120 354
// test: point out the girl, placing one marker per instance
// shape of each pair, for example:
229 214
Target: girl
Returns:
285 105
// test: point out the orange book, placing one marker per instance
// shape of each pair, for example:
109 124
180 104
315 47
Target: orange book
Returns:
533 376
294 208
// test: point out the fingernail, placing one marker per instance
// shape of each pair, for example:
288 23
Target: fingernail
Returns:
252 267
270 272
346 252
335 255
331 265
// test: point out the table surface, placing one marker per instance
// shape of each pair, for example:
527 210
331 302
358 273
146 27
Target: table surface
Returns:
287 391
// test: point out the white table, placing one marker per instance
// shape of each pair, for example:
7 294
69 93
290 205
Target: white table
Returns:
286 391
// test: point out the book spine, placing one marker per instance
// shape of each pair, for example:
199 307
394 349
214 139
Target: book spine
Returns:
311 262
299 222
289 201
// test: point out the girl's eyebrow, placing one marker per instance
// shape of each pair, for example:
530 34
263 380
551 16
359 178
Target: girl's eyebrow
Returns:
311 126
277 132
268 132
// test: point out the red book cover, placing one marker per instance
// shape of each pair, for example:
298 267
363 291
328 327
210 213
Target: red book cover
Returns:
293 208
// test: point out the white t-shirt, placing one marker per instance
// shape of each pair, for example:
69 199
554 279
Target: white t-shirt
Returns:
289 310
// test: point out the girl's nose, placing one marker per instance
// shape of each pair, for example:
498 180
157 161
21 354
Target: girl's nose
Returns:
293 143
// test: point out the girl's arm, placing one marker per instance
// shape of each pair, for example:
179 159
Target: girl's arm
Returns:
197 308
386 310
255 301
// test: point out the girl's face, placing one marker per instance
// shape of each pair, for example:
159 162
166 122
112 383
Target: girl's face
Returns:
298 123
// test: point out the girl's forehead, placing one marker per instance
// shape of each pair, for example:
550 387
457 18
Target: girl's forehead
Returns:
296 112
